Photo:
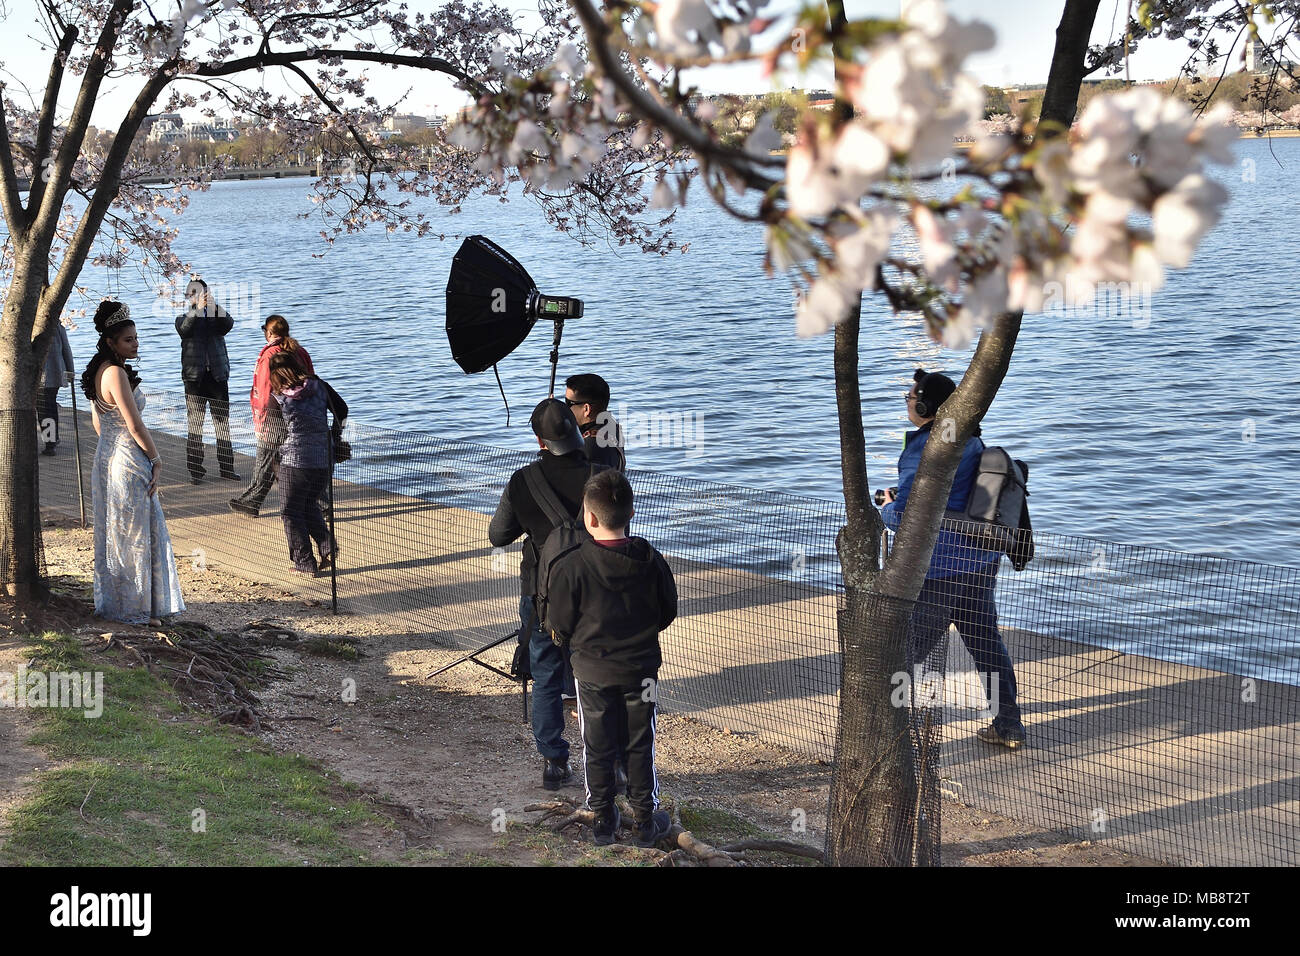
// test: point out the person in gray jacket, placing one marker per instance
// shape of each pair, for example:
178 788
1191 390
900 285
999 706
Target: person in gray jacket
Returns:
205 366
58 372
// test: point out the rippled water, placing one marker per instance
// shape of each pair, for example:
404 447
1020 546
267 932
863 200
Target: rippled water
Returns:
1181 434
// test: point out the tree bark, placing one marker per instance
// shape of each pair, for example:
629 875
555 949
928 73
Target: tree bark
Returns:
20 530
1061 99
873 790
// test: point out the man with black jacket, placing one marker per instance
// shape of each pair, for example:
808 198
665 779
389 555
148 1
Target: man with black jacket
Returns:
562 464
205 367
609 599
588 396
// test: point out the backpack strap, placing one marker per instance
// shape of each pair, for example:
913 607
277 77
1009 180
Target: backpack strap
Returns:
545 495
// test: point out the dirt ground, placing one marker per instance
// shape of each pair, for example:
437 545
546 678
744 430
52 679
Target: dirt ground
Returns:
451 754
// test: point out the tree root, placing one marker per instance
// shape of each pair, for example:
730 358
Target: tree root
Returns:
679 848
217 672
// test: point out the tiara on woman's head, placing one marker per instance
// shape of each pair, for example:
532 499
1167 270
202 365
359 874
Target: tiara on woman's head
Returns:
123 314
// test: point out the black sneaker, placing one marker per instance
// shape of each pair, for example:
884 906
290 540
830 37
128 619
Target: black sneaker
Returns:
1009 737
243 508
653 830
556 773
605 827
231 476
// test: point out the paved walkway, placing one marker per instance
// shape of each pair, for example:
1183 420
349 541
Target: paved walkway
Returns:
1168 761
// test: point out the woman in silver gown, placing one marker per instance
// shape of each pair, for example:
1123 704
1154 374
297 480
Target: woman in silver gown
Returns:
135 567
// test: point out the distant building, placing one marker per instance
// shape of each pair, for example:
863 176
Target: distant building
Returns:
406 123
1019 96
437 122
821 99
167 128
1260 58
210 132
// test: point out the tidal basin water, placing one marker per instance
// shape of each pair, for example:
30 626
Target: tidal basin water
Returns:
1171 422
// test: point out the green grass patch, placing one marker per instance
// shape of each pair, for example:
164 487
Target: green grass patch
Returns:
150 783
324 647
716 826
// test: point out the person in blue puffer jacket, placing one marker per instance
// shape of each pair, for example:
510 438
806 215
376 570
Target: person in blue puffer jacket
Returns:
960 581
306 460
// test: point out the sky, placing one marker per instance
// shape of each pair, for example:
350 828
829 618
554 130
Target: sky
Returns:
1025 29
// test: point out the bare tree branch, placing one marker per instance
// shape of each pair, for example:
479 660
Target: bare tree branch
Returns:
261 60
105 192
74 137
12 205
49 106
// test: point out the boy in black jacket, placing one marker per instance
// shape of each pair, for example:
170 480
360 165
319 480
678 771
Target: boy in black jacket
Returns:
609 599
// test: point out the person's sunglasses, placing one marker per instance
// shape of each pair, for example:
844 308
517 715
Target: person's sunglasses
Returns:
910 398
573 401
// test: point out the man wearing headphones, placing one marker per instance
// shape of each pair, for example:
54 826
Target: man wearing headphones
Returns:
959 584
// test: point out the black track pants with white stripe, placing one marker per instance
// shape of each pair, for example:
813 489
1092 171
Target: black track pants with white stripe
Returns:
619 717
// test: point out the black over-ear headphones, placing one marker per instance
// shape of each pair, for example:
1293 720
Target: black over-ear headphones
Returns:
923 410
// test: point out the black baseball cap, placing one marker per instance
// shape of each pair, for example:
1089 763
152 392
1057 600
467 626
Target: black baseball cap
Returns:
933 388
555 425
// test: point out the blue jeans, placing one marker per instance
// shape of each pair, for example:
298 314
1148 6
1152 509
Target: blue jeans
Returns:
967 601
548 664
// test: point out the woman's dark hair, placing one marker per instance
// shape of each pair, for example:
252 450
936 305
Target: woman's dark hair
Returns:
278 327
111 320
286 372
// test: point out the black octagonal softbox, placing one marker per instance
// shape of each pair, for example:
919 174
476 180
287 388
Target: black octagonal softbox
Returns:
492 305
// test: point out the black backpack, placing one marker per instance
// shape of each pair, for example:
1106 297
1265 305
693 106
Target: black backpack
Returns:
567 535
997 509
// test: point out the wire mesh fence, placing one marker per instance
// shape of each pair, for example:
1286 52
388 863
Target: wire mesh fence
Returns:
22 558
1159 691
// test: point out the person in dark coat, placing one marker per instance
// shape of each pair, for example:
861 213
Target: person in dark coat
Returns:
205 367
306 459
267 424
588 398
58 372
608 600
562 465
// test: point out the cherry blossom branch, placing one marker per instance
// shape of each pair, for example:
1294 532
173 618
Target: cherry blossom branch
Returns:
261 60
598 32
320 95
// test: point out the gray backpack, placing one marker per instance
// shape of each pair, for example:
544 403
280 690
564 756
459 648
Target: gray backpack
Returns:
997 509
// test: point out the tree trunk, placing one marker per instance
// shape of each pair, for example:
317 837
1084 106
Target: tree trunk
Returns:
1061 99
21 572
875 792
873 788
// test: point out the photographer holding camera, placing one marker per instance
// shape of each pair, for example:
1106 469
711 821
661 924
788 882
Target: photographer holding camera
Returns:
959 583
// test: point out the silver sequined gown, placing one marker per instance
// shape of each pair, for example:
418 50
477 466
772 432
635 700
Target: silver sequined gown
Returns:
135 566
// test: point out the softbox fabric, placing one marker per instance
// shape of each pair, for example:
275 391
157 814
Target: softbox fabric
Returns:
487 304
